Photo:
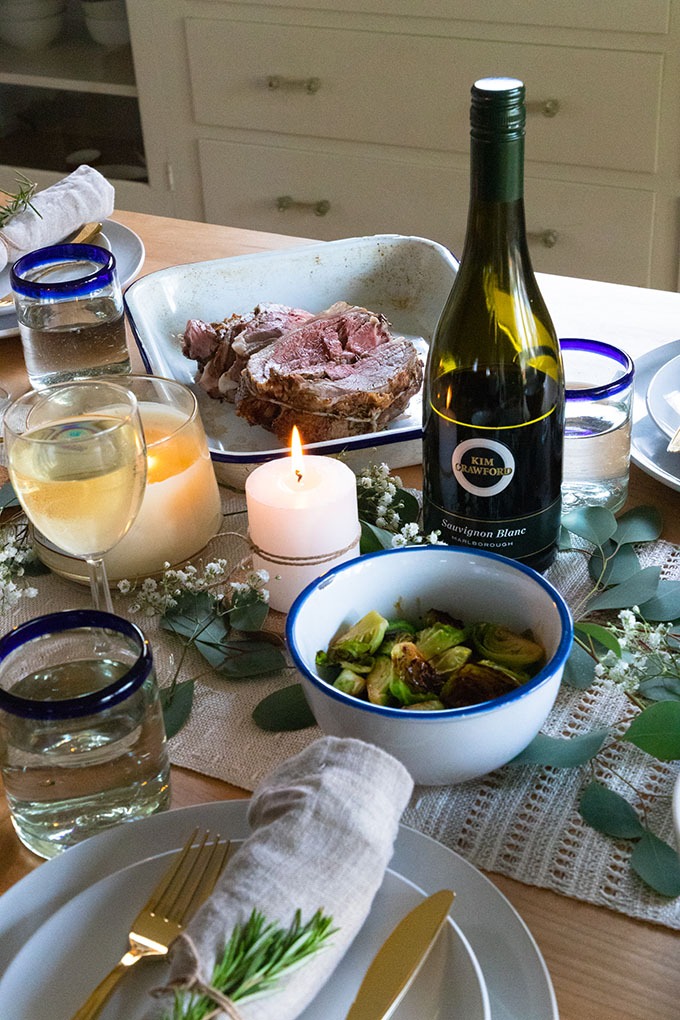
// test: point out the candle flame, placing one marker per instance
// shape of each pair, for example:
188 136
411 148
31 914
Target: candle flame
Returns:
296 453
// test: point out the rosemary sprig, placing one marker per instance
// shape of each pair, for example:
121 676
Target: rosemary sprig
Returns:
258 954
19 200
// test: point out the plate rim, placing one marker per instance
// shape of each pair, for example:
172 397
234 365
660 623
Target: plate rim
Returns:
153 863
56 881
668 430
643 424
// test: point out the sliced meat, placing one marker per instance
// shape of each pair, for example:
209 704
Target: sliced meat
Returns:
339 374
222 348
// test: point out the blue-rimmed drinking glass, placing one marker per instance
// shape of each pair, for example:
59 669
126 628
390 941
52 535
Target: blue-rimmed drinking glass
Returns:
69 307
599 388
82 742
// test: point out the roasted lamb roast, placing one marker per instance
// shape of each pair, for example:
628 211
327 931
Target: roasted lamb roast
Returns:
340 373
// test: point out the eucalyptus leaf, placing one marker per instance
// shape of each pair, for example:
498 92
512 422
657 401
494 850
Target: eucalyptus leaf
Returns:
249 617
410 507
176 703
634 591
594 523
656 730
657 864
641 524
564 543
561 753
242 659
284 710
599 635
617 565
660 688
579 669
664 606
195 613
609 812
374 538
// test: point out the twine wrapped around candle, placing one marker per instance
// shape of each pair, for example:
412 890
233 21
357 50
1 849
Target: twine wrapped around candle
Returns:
292 561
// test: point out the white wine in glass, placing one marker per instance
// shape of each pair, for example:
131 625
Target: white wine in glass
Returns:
77 461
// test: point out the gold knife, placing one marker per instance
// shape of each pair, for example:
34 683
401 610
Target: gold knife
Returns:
399 959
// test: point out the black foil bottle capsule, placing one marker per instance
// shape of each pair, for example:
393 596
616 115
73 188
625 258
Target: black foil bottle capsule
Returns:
493 407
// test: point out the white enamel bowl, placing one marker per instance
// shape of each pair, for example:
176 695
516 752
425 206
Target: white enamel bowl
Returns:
457 744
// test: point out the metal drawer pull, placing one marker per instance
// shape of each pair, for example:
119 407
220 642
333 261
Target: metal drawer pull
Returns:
547 107
320 208
548 238
311 85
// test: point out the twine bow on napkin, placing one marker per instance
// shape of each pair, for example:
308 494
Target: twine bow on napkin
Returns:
323 830
82 196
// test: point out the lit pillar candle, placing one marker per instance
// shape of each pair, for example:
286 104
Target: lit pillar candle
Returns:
181 509
302 520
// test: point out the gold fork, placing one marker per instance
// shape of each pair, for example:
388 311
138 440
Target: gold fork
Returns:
86 233
185 885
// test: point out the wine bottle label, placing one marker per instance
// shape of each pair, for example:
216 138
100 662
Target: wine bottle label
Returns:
483 467
521 538
493 488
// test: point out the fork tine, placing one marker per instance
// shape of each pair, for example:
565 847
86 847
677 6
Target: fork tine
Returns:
166 882
194 882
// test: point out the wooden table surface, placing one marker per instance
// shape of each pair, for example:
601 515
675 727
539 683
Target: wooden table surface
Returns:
604 966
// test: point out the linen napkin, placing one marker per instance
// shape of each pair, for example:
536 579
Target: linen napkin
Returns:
83 195
323 830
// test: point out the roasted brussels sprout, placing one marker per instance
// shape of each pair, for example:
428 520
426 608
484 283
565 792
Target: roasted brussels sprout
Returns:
357 645
379 679
451 660
502 645
409 665
438 664
350 683
439 638
476 682
407 696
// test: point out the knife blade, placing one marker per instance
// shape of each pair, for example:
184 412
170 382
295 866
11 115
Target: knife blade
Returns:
399 959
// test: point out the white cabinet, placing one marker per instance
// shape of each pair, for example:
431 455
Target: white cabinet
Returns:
348 117
77 100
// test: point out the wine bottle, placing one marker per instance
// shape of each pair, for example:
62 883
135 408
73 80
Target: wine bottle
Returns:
493 407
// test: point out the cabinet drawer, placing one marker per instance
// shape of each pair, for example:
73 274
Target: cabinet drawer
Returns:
639 16
413 91
604 233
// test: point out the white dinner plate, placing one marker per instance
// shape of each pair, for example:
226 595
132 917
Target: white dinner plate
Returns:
123 242
516 977
406 278
83 940
663 397
648 443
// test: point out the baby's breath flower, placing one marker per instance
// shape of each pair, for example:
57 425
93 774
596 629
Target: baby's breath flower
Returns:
380 503
15 552
647 652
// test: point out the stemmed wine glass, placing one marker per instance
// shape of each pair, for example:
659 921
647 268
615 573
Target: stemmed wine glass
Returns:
77 460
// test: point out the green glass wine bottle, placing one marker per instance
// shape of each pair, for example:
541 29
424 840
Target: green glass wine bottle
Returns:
493 400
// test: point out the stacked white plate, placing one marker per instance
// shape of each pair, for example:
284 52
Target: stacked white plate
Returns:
486 967
31 24
656 413
106 21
